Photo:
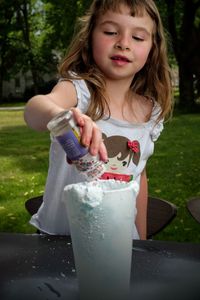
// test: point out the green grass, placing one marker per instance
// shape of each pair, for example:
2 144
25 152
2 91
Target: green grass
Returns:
24 163
173 172
12 104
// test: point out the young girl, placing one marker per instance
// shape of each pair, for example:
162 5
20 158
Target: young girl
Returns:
116 80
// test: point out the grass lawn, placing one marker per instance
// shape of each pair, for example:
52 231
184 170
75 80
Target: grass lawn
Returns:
24 163
173 172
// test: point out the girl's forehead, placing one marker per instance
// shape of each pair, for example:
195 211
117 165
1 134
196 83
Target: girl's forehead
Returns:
125 18
132 10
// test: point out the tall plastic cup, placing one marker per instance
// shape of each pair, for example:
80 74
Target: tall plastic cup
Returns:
101 217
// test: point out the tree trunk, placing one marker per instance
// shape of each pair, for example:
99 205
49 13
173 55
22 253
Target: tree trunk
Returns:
184 45
24 18
187 50
37 81
1 88
186 88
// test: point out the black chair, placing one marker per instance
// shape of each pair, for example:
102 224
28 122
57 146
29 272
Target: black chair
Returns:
33 204
159 213
193 206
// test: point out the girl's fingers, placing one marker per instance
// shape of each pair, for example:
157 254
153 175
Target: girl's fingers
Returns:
97 145
103 155
78 116
96 141
87 131
85 124
91 135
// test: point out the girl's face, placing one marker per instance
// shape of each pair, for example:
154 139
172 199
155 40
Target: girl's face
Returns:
114 165
121 43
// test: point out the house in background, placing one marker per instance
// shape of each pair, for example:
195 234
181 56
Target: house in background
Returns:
15 88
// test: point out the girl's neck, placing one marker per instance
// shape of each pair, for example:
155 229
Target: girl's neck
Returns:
124 104
117 91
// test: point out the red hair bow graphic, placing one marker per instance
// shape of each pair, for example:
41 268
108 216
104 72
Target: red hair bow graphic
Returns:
134 146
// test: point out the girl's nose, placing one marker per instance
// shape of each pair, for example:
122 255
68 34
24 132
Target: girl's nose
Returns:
123 43
121 47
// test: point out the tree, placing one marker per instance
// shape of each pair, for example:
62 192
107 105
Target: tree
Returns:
40 59
23 42
10 42
67 12
183 18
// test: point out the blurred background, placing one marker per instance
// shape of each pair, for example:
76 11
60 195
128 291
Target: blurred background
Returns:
34 36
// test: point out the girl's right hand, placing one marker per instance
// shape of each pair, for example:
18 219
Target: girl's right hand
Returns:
91 135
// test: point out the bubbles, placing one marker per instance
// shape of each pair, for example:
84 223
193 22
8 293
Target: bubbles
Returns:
102 236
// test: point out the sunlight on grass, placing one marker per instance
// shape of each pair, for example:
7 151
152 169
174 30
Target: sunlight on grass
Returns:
24 164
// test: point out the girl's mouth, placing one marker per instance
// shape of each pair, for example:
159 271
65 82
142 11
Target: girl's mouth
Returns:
120 58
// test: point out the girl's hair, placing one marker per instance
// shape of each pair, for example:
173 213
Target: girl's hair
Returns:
153 80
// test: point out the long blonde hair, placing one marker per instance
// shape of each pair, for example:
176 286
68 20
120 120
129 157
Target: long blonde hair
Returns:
153 80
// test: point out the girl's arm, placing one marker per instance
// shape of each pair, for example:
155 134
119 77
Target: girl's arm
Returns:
42 108
142 199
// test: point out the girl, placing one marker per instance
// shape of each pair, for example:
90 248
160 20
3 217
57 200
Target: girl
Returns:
116 80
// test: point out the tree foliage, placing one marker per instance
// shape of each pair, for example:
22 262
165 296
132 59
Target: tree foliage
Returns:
34 35
10 41
23 43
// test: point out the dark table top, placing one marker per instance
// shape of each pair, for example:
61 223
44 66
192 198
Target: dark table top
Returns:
42 267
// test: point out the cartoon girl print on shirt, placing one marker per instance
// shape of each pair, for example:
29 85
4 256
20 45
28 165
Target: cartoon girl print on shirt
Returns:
121 152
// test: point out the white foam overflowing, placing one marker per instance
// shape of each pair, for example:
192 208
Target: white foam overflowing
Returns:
92 193
101 215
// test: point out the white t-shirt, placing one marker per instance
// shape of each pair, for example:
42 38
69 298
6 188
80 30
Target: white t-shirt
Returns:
129 145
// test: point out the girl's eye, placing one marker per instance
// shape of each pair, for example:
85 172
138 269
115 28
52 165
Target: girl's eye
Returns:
137 38
110 32
124 163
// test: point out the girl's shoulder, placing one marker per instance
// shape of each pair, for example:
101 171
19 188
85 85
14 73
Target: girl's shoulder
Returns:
151 112
151 108
143 107
155 122
148 104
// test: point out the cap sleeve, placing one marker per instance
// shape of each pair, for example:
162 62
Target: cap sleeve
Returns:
82 92
156 126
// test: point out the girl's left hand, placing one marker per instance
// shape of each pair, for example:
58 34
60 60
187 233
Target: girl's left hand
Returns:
91 135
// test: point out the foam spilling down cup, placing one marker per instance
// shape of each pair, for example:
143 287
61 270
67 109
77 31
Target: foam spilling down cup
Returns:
101 216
